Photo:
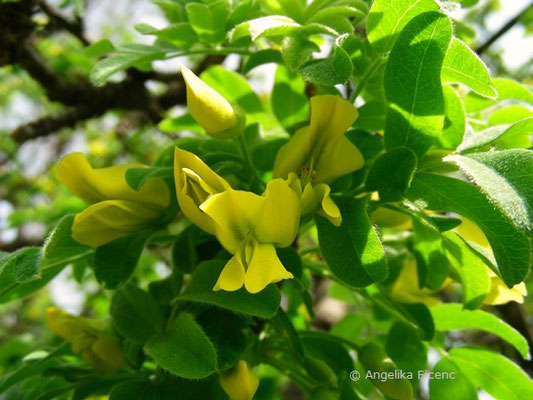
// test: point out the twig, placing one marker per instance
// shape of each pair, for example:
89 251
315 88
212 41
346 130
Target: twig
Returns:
75 28
502 30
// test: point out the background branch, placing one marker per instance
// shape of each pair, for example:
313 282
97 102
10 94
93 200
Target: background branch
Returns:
481 49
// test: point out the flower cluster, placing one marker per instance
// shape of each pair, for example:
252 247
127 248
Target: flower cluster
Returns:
248 225
86 336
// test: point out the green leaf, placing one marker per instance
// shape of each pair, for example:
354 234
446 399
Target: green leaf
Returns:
173 10
209 20
236 89
507 90
58 251
286 330
450 317
18 268
472 269
328 348
515 166
374 359
497 189
392 173
264 155
99 48
512 249
420 315
493 373
387 18
261 57
264 304
406 349
457 388
455 119
296 50
183 122
181 34
509 114
498 132
136 315
332 70
60 248
184 349
115 262
136 177
353 250
125 57
462 65
168 388
413 88
225 330
184 253
31 367
432 264
289 103
272 25
371 116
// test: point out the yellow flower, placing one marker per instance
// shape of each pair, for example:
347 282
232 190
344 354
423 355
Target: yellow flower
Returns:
315 197
249 226
406 288
389 218
240 383
210 109
320 152
115 209
472 233
195 183
499 292
86 337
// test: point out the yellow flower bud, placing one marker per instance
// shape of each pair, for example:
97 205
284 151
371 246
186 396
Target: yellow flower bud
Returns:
210 109
86 337
115 208
240 383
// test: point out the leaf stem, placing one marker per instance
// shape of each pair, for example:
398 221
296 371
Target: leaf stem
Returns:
369 72
223 51
249 164
298 378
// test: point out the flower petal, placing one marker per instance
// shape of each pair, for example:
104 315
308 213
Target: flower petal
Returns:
328 208
331 115
108 351
294 154
232 276
239 383
191 174
62 323
338 159
108 220
322 143
501 294
278 219
233 212
264 268
93 185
